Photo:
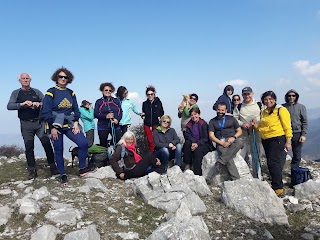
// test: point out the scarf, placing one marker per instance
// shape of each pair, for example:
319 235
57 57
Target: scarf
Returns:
133 149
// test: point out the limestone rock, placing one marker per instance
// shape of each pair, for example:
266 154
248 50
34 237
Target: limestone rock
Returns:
96 184
64 215
47 232
255 199
89 233
29 206
128 235
6 191
102 173
5 214
40 193
308 190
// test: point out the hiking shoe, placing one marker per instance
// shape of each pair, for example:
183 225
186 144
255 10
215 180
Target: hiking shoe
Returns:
54 171
187 167
63 179
85 171
32 174
279 192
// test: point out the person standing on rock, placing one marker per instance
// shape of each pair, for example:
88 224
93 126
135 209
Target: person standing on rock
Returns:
276 134
247 111
225 98
225 131
299 124
27 101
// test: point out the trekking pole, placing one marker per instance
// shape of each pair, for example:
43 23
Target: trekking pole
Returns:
113 133
258 152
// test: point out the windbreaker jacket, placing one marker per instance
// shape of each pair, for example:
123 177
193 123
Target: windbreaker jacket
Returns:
153 111
224 98
126 105
87 118
162 139
102 107
128 158
298 114
276 124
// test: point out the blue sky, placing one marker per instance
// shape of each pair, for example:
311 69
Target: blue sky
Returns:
178 46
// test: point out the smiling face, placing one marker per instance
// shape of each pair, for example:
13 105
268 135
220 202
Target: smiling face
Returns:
129 141
221 110
62 79
195 116
247 97
292 96
25 80
269 102
150 95
107 91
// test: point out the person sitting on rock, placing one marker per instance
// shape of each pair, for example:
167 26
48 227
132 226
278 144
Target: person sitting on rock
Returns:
128 163
167 143
224 130
197 143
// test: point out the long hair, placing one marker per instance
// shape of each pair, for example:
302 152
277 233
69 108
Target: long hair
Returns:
120 91
128 134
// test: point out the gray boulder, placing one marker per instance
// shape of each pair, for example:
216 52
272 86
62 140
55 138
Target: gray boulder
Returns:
47 232
255 199
5 214
29 206
96 184
40 193
64 215
308 190
102 173
89 233
209 161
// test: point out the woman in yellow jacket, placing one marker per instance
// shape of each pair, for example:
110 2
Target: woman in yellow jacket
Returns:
276 133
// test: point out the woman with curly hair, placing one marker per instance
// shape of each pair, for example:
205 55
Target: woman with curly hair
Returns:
152 111
107 110
126 105
61 114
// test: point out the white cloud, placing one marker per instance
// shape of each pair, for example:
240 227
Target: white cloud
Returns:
134 96
235 82
314 81
306 69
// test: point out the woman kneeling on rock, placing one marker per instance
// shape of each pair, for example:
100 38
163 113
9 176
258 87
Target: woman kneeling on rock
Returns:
127 163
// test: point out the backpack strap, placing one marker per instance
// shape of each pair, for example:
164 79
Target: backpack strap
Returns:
239 106
123 151
260 105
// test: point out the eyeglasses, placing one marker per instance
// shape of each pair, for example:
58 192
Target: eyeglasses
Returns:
150 94
193 98
65 77
291 95
107 90
236 99
166 121
25 78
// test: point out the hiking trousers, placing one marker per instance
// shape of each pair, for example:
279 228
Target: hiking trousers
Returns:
90 137
276 157
148 131
296 150
226 156
28 131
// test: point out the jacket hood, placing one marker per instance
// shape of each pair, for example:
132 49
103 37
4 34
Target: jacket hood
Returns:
226 88
286 98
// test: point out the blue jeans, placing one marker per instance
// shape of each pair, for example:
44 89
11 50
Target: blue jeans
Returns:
166 154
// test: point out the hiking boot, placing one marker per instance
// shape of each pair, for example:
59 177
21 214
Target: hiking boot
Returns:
54 171
217 168
187 167
85 171
279 192
64 179
32 174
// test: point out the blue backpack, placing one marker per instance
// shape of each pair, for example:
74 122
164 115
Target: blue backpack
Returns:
300 175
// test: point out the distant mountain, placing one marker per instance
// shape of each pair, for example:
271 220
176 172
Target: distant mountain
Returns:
311 147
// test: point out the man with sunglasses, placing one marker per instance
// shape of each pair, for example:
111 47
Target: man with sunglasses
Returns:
299 124
27 101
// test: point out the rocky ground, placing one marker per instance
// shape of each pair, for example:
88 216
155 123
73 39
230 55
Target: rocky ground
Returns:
117 213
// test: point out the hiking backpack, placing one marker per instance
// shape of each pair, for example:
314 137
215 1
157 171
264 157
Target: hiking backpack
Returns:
121 161
300 175
99 155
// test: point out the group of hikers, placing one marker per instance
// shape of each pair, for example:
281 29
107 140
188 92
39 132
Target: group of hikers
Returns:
251 126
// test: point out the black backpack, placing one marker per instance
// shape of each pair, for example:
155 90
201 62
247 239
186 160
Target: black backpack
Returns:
300 175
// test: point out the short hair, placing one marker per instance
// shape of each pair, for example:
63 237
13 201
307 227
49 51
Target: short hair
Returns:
150 88
195 109
19 76
106 84
166 117
126 135
120 92
55 75
222 104
236 95
267 94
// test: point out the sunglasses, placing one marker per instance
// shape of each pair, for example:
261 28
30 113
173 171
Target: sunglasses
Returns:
150 94
107 90
236 99
193 98
291 95
166 121
65 77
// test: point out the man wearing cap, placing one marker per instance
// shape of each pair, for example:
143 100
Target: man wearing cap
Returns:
87 118
185 113
249 110
27 101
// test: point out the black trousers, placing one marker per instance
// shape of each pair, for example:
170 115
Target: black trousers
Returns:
28 131
103 137
140 169
276 157
296 150
195 157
